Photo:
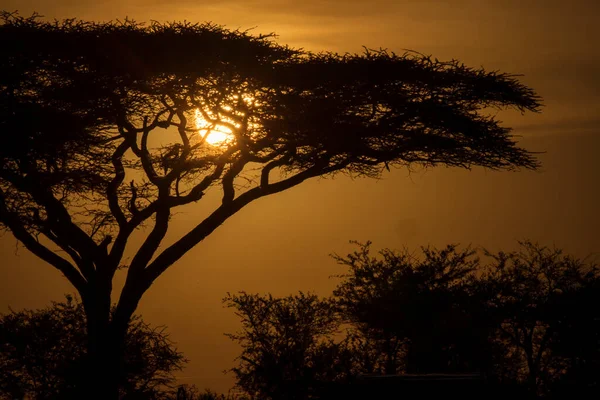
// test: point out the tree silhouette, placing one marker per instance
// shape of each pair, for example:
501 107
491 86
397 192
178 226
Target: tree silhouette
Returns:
107 127
577 341
526 320
539 298
287 346
42 353
415 315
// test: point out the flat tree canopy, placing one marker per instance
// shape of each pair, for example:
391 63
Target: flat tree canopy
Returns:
106 127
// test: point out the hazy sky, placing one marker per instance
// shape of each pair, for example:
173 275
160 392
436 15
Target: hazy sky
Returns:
281 244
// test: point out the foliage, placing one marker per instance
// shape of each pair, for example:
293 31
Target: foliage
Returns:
543 304
191 392
43 351
577 342
527 320
412 313
287 347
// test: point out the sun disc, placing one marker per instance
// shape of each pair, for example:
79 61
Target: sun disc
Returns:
213 134
216 137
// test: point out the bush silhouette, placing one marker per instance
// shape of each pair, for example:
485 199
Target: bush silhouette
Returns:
43 355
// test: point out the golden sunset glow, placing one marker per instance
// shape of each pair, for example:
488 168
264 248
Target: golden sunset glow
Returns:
217 128
234 102
214 134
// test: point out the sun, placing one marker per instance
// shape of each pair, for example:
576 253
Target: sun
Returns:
229 117
213 134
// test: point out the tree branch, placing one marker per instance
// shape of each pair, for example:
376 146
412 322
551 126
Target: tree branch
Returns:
229 177
59 219
144 155
85 266
19 231
220 215
150 245
111 191
264 175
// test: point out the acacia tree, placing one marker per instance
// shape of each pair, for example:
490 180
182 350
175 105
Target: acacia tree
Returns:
107 127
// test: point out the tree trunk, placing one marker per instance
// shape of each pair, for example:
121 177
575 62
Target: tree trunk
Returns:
532 367
104 367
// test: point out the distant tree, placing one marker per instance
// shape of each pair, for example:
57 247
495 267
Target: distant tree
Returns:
414 314
527 319
108 127
42 355
544 304
577 342
287 346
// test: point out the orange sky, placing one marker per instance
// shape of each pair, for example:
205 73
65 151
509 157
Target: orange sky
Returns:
280 244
